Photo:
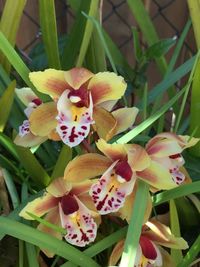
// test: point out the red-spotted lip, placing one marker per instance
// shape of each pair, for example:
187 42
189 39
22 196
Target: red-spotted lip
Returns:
83 93
124 170
148 250
69 204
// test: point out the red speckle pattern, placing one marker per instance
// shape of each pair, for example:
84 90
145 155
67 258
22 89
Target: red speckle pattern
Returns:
24 129
177 176
108 193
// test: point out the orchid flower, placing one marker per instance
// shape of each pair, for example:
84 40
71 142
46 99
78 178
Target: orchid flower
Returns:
129 162
77 98
119 167
25 137
149 252
66 204
165 152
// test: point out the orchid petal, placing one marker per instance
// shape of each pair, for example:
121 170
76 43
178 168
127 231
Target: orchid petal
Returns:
77 76
110 191
29 140
106 86
114 151
80 188
108 105
138 158
73 122
42 119
188 141
50 81
53 135
105 123
59 187
116 253
53 218
148 249
26 95
85 167
39 206
162 235
164 148
167 260
126 211
125 118
157 176
80 226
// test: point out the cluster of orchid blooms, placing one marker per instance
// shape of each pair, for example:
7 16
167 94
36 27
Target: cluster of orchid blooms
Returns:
96 184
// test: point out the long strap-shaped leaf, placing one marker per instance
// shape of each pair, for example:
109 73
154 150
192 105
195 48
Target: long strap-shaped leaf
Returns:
6 102
45 241
194 7
49 32
9 24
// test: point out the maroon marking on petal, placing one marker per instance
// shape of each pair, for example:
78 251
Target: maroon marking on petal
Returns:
69 204
84 127
102 202
84 236
63 127
123 169
83 93
175 156
148 249
72 135
37 101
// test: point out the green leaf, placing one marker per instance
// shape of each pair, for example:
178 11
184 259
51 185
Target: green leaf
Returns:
145 124
175 228
180 191
6 102
9 24
33 167
87 33
6 142
11 188
191 254
169 81
135 225
17 63
136 44
63 159
49 32
74 41
159 48
31 255
45 241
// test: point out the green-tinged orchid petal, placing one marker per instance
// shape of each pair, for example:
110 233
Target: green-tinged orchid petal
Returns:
188 141
59 187
112 151
116 253
43 119
105 123
39 206
53 218
157 176
26 95
50 81
166 258
29 140
125 118
126 211
85 167
106 86
77 77
162 235
138 158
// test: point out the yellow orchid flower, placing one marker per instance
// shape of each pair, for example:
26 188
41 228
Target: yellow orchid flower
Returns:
25 137
165 152
118 169
80 98
69 205
149 252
